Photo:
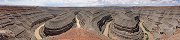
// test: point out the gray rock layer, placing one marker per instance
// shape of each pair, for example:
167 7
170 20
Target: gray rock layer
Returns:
125 27
21 23
124 24
59 24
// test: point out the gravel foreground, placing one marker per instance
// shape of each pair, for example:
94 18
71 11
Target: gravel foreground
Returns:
89 23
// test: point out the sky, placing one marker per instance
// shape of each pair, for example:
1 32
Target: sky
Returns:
87 3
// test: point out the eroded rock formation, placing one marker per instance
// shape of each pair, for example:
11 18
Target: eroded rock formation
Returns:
94 19
161 23
59 24
125 27
21 23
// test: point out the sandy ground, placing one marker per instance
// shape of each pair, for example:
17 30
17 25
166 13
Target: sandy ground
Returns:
149 35
37 32
79 34
106 29
77 23
176 36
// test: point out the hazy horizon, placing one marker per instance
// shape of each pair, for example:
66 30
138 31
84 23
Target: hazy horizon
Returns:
90 3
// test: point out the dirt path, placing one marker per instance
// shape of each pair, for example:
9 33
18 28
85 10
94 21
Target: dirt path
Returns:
37 32
149 35
106 29
77 23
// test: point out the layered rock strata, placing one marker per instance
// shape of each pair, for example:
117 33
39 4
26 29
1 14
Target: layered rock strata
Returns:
60 24
21 23
94 19
161 22
125 27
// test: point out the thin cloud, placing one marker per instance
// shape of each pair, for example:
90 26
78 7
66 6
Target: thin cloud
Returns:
83 3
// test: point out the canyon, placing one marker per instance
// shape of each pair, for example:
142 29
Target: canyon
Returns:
89 23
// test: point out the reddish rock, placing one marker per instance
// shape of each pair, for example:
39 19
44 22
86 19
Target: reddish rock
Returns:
79 34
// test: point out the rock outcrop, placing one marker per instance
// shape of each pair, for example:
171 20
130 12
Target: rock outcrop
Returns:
94 19
59 24
21 23
125 27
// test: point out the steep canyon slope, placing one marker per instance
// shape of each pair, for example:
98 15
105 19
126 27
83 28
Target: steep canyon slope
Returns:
89 23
